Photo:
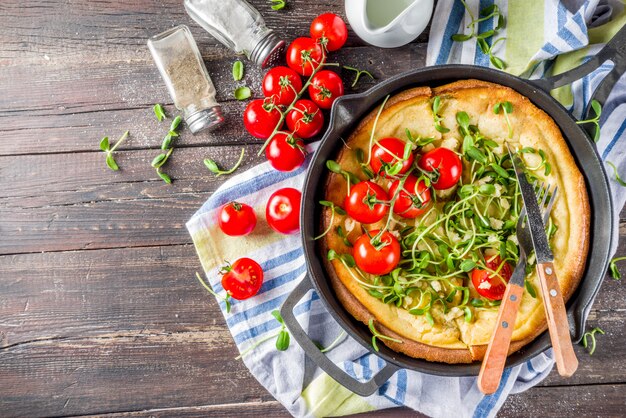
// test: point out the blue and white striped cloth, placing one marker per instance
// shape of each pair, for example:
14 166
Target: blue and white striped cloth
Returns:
288 375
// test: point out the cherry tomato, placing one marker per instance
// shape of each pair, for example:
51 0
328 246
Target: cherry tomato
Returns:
326 86
445 165
284 152
489 285
361 204
260 118
305 119
283 210
387 152
304 55
330 30
380 259
236 219
243 278
408 204
282 84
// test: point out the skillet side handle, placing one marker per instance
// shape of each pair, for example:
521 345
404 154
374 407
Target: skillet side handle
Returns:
360 388
614 50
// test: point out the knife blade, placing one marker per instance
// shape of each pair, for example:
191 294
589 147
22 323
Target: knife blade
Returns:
535 225
553 302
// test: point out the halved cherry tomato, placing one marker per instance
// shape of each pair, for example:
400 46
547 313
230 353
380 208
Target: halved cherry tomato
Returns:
243 278
445 166
284 152
378 259
282 84
305 119
236 219
492 286
408 204
387 152
363 203
304 55
326 86
260 118
329 30
283 210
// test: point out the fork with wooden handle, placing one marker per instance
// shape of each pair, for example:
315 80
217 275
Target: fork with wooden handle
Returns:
498 349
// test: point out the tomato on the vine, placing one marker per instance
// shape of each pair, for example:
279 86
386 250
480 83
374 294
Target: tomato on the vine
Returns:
326 86
283 210
282 84
386 153
379 258
305 119
243 278
236 219
489 285
304 55
413 199
285 152
367 202
330 30
445 166
261 117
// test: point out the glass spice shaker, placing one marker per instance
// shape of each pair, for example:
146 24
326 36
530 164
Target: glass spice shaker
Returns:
179 61
239 26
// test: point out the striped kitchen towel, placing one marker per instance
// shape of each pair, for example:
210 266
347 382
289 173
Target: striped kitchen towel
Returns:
288 375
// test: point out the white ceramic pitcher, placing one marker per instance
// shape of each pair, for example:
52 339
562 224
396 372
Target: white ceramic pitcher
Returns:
388 23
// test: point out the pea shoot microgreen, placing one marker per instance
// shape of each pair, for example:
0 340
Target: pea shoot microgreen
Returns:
215 169
488 50
237 70
486 13
507 109
617 178
377 335
282 337
615 273
597 108
530 289
336 168
159 112
358 74
333 209
226 299
277 4
436 106
242 93
167 147
108 150
332 345
592 335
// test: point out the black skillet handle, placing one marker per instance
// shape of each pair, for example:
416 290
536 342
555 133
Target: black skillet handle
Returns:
360 388
614 50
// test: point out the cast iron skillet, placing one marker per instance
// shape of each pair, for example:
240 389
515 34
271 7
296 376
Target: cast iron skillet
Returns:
346 113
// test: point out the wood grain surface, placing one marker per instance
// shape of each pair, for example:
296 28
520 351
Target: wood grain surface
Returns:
100 313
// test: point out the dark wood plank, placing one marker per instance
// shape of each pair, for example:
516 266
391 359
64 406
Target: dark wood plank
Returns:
249 409
67 114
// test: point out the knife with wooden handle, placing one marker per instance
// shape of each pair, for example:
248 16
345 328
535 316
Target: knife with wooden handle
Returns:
553 302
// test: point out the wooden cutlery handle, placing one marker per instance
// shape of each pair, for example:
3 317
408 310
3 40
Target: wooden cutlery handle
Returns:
558 325
498 348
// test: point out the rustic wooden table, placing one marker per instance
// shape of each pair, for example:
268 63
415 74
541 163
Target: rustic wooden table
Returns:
100 312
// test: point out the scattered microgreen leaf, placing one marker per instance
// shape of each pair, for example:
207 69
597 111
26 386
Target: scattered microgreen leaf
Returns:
615 273
358 74
507 108
278 4
592 335
597 108
489 12
436 106
333 209
237 70
108 150
617 178
215 169
242 93
377 335
530 289
159 112
282 337
226 299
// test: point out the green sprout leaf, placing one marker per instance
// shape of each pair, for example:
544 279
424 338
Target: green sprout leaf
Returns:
108 150
243 93
358 74
597 108
159 112
237 70
215 169
592 335
111 162
226 299
615 273
104 143
617 178
278 4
